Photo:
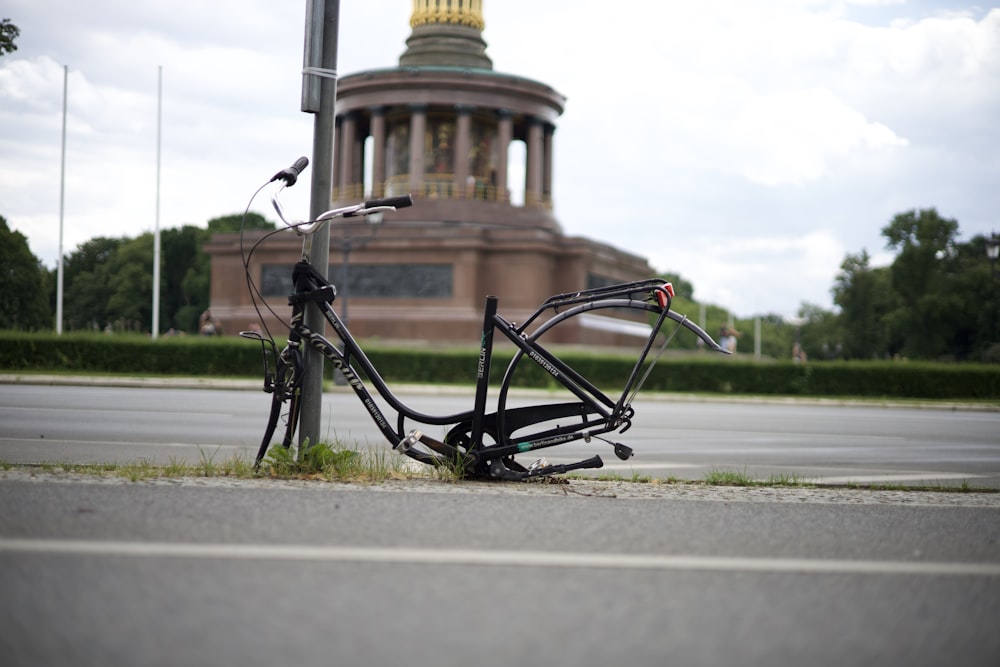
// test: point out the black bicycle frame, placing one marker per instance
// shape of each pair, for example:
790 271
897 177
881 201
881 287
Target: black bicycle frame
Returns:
596 411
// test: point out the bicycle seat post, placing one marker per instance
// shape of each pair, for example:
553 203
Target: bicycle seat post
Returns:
483 371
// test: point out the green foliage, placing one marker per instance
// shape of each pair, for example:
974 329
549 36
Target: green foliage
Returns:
87 276
109 282
23 284
236 357
8 33
236 221
776 335
331 462
682 288
128 353
936 301
865 298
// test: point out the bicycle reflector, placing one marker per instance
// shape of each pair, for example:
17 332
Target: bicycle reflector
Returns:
664 294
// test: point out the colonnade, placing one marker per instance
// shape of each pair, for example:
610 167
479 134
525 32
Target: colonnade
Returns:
448 152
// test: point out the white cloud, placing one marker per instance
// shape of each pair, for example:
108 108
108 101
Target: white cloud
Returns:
745 275
723 140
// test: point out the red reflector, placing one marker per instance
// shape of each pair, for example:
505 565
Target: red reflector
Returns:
661 294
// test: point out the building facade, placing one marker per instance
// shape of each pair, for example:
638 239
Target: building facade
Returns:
439 127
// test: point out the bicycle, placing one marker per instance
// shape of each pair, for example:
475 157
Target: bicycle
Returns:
476 444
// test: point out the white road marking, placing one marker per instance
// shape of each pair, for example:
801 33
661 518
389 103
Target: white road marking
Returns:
489 557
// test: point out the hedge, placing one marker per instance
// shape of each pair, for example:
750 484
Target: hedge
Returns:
236 357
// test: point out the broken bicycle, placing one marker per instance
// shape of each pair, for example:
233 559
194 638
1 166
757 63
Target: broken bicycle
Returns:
476 443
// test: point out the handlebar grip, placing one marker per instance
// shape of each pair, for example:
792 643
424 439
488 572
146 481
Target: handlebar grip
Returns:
290 175
402 201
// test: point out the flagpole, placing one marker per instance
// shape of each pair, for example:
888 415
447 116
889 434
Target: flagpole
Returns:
62 209
156 236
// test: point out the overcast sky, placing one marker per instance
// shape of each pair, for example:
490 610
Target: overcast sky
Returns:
747 145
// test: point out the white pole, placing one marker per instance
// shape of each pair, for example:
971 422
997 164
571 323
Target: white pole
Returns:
62 208
156 235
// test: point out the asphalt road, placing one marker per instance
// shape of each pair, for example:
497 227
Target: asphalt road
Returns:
672 437
262 573
104 571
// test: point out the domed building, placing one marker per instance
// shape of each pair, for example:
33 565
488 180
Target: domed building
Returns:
440 126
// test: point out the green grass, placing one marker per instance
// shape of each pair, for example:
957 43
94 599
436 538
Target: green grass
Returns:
717 477
338 463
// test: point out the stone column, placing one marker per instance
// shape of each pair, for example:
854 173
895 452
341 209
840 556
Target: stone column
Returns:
378 152
418 128
463 139
504 137
547 175
346 151
335 171
533 169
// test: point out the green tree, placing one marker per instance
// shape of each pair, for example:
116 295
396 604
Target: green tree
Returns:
864 295
184 277
819 333
776 337
682 287
928 311
88 279
236 221
23 284
130 304
8 33
975 333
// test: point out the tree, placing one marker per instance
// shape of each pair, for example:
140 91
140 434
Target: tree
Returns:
928 310
820 333
682 287
184 277
864 295
88 278
23 284
975 333
8 33
130 305
237 221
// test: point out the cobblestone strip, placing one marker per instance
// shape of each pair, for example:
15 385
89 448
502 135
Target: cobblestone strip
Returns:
567 488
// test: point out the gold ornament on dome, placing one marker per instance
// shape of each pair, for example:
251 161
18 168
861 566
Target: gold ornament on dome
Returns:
448 12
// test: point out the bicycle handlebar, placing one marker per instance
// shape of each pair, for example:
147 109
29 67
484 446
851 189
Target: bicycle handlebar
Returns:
289 176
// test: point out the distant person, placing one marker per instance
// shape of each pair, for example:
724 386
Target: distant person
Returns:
730 338
206 325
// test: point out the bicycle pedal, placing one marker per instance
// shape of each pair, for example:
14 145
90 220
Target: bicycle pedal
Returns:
538 464
623 452
407 443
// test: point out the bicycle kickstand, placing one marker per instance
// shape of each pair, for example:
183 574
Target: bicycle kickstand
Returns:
500 471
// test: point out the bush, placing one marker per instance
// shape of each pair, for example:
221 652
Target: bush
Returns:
237 357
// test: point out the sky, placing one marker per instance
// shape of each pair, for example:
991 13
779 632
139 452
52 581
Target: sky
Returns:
746 145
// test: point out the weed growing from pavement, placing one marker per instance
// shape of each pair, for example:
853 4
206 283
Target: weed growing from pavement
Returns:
336 463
